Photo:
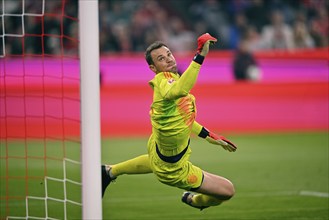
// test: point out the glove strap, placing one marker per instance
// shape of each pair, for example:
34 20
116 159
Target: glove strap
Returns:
198 58
203 133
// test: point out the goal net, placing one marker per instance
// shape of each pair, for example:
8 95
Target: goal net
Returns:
39 110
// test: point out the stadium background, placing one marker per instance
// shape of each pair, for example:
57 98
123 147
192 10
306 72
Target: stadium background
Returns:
293 85
291 97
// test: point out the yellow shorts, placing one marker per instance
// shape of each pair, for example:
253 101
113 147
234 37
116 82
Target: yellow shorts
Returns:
182 174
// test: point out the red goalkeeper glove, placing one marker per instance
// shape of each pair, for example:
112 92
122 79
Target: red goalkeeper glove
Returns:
203 43
222 141
218 140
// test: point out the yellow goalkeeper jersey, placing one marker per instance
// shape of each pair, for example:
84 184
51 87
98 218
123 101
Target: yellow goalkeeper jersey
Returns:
173 110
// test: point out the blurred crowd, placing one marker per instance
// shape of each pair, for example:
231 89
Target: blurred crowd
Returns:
131 25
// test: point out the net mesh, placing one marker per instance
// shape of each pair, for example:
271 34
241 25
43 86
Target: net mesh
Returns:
39 110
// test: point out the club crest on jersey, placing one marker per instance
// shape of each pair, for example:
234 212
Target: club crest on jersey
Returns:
171 80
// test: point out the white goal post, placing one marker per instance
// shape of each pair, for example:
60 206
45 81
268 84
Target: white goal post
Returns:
90 109
50 155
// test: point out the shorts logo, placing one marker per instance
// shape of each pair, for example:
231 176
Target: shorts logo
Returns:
192 179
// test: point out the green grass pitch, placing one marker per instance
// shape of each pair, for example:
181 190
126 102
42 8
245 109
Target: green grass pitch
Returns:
277 176
270 172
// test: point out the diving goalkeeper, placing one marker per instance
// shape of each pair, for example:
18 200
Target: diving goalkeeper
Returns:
173 114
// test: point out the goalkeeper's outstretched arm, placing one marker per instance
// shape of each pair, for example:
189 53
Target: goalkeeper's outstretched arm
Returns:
188 79
212 138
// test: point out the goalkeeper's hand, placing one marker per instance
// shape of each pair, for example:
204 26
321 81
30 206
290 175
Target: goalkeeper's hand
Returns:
222 141
203 43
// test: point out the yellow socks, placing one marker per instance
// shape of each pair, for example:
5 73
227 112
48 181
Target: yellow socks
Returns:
137 165
201 200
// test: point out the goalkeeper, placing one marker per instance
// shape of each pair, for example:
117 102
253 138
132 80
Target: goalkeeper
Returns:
173 114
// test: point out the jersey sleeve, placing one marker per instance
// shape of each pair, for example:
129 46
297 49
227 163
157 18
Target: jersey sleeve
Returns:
181 87
196 128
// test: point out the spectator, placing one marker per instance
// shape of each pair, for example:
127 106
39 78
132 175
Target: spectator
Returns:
277 35
212 13
245 66
302 38
317 36
257 14
320 26
238 30
144 27
180 38
253 38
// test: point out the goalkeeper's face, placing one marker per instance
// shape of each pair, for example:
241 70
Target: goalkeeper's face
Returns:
163 60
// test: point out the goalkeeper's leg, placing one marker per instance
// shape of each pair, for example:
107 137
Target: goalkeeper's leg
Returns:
137 165
213 191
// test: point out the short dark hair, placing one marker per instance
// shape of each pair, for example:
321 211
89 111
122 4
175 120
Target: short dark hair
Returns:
153 46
